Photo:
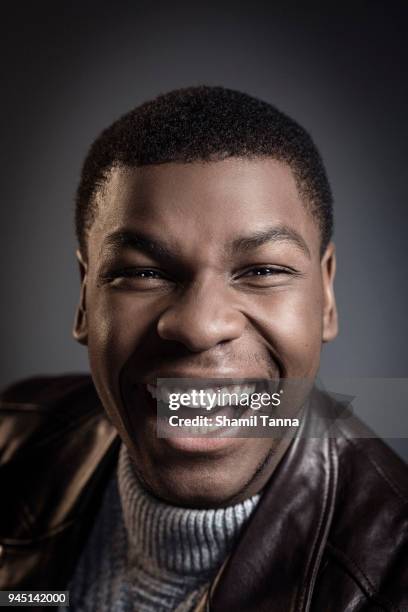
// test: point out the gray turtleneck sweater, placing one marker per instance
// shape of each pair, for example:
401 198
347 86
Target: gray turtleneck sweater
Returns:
147 556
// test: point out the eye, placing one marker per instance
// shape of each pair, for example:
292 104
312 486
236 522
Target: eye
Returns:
265 276
142 274
266 271
137 278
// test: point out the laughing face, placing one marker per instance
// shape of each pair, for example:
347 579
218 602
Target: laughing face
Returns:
201 270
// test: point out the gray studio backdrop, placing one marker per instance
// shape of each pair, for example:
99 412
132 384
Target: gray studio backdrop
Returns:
72 68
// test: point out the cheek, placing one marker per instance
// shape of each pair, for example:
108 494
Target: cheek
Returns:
291 323
117 325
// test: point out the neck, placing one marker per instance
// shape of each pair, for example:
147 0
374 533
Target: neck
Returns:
181 540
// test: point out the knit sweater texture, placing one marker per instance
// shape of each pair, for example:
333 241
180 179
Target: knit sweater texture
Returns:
144 555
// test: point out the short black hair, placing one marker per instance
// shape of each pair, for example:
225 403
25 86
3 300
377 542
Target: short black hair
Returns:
204 124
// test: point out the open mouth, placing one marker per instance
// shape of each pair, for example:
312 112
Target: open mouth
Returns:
206 398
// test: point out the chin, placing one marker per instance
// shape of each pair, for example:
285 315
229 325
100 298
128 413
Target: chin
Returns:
195 486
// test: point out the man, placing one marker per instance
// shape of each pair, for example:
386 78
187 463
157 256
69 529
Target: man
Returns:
204 221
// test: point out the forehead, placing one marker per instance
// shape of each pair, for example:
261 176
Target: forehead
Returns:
211 201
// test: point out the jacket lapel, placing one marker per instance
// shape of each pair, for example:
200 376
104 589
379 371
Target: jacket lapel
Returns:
275 563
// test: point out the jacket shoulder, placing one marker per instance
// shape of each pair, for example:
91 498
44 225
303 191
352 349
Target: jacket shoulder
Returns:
36 409
43 390
58 450
369 532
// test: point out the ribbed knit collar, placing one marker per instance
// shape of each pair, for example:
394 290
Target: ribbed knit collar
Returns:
188 542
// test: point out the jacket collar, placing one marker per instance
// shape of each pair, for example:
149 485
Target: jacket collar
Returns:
274 565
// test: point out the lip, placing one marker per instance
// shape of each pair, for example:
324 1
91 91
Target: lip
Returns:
203 376
187 381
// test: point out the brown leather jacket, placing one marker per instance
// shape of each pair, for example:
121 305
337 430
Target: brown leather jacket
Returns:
330 533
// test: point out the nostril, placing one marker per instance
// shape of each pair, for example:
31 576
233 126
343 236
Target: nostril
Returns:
200 333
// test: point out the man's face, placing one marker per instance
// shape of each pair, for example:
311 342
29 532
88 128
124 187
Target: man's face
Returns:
201 270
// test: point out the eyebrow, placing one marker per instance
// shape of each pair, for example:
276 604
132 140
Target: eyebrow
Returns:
138 242
143 243
280 233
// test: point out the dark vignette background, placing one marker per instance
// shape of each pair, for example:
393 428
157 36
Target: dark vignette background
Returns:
70 68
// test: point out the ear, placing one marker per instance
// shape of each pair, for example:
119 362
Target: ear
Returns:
80 330
330 321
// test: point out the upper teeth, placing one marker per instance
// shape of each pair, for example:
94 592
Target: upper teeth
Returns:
222 394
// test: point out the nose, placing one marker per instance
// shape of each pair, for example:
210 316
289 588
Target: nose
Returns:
202 317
